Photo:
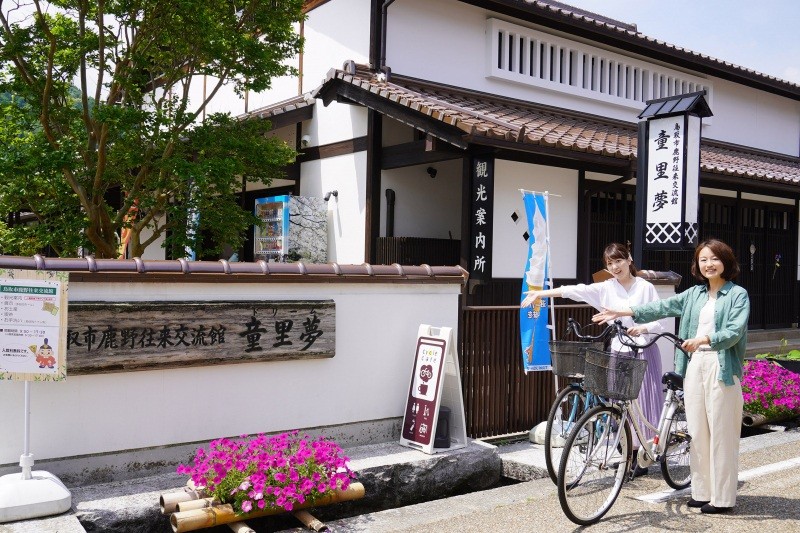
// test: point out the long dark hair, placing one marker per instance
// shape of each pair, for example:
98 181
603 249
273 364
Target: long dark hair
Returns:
723 252
616 250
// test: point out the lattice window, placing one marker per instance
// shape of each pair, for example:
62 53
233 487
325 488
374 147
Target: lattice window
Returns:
535 58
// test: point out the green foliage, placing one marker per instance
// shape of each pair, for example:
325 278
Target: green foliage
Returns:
92 112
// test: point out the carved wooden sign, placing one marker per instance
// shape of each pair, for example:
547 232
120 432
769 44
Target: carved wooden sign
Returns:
121 337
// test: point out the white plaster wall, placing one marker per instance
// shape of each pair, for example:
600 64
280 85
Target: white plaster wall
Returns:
754 118
347 212
334 32
455 33
424 206
367 379
336 122
510 250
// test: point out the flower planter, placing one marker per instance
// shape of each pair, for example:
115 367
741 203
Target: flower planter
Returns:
754 419
214 514
792 365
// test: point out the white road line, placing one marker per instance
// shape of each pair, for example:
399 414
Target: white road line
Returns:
664 495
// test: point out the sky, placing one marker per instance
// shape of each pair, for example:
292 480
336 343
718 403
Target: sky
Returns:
762 35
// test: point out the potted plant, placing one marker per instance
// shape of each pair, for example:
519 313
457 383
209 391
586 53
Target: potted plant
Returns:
789 360
771 393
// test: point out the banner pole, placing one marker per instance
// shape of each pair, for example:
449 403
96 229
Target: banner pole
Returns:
550 279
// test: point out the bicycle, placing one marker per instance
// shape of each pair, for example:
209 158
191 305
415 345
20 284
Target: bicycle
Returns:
573 400
597 457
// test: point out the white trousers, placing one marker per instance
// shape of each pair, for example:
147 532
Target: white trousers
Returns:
714 418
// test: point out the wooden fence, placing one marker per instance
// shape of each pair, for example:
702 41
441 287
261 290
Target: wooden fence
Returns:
499 398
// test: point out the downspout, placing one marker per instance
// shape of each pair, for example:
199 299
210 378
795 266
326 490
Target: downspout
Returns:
384 18
390 212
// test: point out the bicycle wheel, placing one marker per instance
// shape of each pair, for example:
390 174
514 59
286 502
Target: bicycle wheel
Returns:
593 464
568 407
675 459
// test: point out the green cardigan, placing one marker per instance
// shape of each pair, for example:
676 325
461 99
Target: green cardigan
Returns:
730 322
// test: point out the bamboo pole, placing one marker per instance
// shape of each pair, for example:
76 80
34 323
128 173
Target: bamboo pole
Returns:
754 419
224 514
310 521
200 503
240 527
169 500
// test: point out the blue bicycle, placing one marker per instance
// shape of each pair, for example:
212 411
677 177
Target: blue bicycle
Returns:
572 401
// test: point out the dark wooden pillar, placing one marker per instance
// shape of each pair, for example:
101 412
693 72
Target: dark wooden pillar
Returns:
373 185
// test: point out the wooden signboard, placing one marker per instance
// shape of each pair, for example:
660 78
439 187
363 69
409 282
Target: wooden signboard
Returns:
113 337
435 383
33 323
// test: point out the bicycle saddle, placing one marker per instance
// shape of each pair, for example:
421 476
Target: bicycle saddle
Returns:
672 380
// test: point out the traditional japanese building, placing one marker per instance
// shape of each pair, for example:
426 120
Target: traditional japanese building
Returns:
399 100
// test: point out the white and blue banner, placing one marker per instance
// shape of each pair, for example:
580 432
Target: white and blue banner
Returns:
533 320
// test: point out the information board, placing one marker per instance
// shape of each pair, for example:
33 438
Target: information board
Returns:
435 383
33 325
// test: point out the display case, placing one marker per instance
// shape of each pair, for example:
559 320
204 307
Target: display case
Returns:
294 228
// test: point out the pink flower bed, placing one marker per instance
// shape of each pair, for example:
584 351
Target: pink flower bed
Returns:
770 390
261 472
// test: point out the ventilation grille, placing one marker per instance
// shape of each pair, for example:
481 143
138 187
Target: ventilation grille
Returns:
531 57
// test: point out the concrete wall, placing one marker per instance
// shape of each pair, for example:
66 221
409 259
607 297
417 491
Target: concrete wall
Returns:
366 381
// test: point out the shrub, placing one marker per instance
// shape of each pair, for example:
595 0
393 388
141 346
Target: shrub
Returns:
770 390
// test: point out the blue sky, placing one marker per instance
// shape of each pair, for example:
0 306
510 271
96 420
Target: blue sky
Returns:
763 35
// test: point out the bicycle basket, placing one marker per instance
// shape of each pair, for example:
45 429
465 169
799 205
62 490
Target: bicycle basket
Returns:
568 357
613 376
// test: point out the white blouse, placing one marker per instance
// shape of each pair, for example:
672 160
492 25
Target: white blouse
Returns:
610 294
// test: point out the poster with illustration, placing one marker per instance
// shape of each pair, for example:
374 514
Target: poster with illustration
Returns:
533 323
33 325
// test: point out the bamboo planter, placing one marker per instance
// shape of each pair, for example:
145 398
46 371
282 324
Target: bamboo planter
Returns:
754 420
191 510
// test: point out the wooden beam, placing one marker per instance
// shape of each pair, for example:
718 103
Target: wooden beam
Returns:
349 146
415 153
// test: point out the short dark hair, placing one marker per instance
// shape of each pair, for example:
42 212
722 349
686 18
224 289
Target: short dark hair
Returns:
616 250
723 252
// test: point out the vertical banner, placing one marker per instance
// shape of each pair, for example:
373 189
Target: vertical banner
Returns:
533 321
33 325
481 215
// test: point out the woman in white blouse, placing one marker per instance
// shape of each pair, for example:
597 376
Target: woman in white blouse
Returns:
621 291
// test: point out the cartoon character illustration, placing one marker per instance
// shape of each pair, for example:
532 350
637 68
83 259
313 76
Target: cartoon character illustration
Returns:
44 356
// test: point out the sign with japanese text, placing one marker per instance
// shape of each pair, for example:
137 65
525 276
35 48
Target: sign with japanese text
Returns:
33 325
481 217
673 167
113 337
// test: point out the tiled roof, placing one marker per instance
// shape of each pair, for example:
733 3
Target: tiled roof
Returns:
630 32
106 269
480 115
279 108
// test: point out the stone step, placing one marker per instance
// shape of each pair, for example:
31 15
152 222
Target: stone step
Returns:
774 335
774 347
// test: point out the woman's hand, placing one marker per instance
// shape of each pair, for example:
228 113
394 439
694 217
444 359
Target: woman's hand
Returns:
635 331
530 298
691 345
606 316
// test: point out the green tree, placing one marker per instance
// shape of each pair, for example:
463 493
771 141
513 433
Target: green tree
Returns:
108 98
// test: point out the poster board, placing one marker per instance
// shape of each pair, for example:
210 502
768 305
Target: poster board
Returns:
33 325
435 383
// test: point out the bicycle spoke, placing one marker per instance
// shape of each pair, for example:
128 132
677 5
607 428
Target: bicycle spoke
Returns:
593 466
675 460
567 409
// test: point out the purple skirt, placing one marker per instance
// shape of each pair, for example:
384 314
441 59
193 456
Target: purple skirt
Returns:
651 395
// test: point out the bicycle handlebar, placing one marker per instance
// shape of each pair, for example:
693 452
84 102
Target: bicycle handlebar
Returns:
573 325
622 330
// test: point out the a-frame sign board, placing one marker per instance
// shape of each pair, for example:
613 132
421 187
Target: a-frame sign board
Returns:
435 382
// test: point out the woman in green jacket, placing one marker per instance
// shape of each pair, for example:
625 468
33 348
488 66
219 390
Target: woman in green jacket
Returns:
714 323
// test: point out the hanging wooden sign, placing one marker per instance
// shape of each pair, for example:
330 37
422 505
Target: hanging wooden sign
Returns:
113 337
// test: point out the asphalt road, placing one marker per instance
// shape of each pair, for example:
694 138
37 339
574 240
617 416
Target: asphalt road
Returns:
768 500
